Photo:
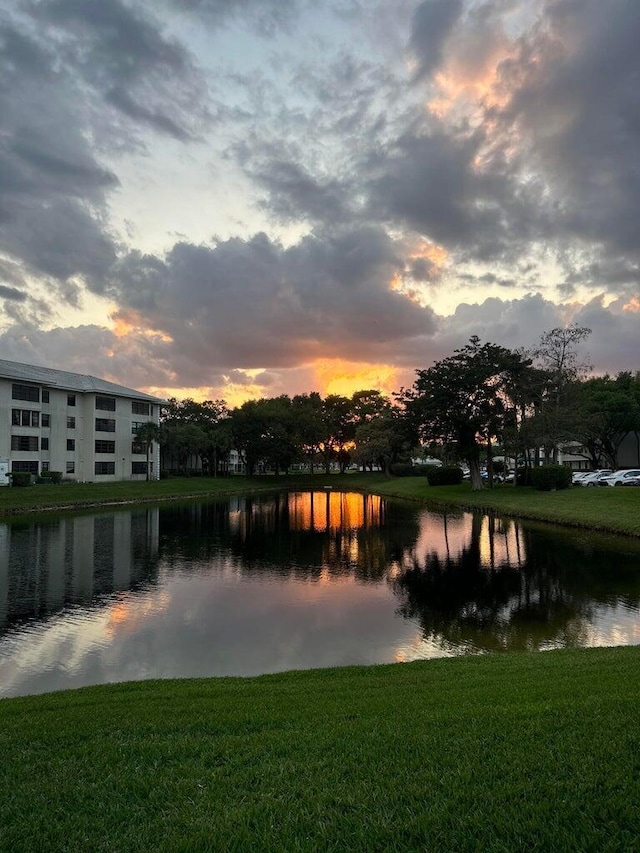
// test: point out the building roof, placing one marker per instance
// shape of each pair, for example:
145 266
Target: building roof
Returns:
68 381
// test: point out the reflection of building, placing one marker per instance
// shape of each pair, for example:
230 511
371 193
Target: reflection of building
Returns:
79 425
45 566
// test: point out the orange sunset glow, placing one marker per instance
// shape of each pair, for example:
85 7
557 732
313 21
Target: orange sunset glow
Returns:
322 511
337 376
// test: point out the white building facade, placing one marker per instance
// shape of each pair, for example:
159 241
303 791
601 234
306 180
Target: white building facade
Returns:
82 426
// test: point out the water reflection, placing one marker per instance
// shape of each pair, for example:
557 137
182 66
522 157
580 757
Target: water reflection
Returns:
479 583
283 581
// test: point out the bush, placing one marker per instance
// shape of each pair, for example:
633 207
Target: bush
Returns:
406 469
551 477
523 477
54 477
444 476
20 478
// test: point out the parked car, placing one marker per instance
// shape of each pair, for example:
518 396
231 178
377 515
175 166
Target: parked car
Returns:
579 475
620 477
593 478
631 481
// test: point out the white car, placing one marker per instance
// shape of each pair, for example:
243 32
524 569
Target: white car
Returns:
594 477
577 476
620 477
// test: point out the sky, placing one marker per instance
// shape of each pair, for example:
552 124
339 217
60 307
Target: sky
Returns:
234 199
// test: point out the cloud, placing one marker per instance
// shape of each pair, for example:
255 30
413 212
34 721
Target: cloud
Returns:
266 17
433 22
12 293
376 165
254 303
122 55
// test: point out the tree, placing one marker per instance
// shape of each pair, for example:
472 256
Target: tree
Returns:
557 354
606 410
146 434
466 400
380 441
307 412
338 430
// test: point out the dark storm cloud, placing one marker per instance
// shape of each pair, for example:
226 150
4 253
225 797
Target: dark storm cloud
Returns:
426 180
125 57
265 17
433 22
12 293
251 303
573 106
51 184
80 78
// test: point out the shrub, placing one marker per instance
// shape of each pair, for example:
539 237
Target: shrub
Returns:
551 477
523 477
406 469
444 476
54 477
20 478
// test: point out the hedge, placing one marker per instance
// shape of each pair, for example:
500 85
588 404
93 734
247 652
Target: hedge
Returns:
548 478
445 476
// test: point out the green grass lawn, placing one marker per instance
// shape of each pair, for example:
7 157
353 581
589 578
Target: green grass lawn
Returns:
514 752
616 510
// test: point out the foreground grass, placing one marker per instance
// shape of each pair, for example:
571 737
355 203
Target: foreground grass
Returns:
615 510
511 752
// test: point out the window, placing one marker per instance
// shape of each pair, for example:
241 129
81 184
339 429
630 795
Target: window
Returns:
138 447
44 444
105 425
25 417
45 466
45 395
71 444
71 399
105 468
25 392
105 446
46 420
138 408
138 467
71 422
135 425
28 467
24 442
71 467
106 404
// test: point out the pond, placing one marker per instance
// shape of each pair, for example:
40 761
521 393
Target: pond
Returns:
286 581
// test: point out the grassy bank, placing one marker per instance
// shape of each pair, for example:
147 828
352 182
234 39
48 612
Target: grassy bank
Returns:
615 510
495 753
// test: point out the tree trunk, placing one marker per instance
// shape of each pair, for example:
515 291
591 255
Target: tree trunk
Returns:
476 480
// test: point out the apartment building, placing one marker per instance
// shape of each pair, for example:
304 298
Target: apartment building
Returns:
85 427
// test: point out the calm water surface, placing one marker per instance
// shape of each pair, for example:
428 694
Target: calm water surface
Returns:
295 581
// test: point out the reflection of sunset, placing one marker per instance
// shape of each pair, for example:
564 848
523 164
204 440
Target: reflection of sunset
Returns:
448 536
333 511
123 618
500 543
336 376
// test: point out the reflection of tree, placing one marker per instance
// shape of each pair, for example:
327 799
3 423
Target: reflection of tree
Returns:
323 534
547 600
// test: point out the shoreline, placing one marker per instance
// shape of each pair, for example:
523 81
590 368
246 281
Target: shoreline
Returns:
605 510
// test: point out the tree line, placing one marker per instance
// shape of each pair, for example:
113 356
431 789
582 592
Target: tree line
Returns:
465 407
